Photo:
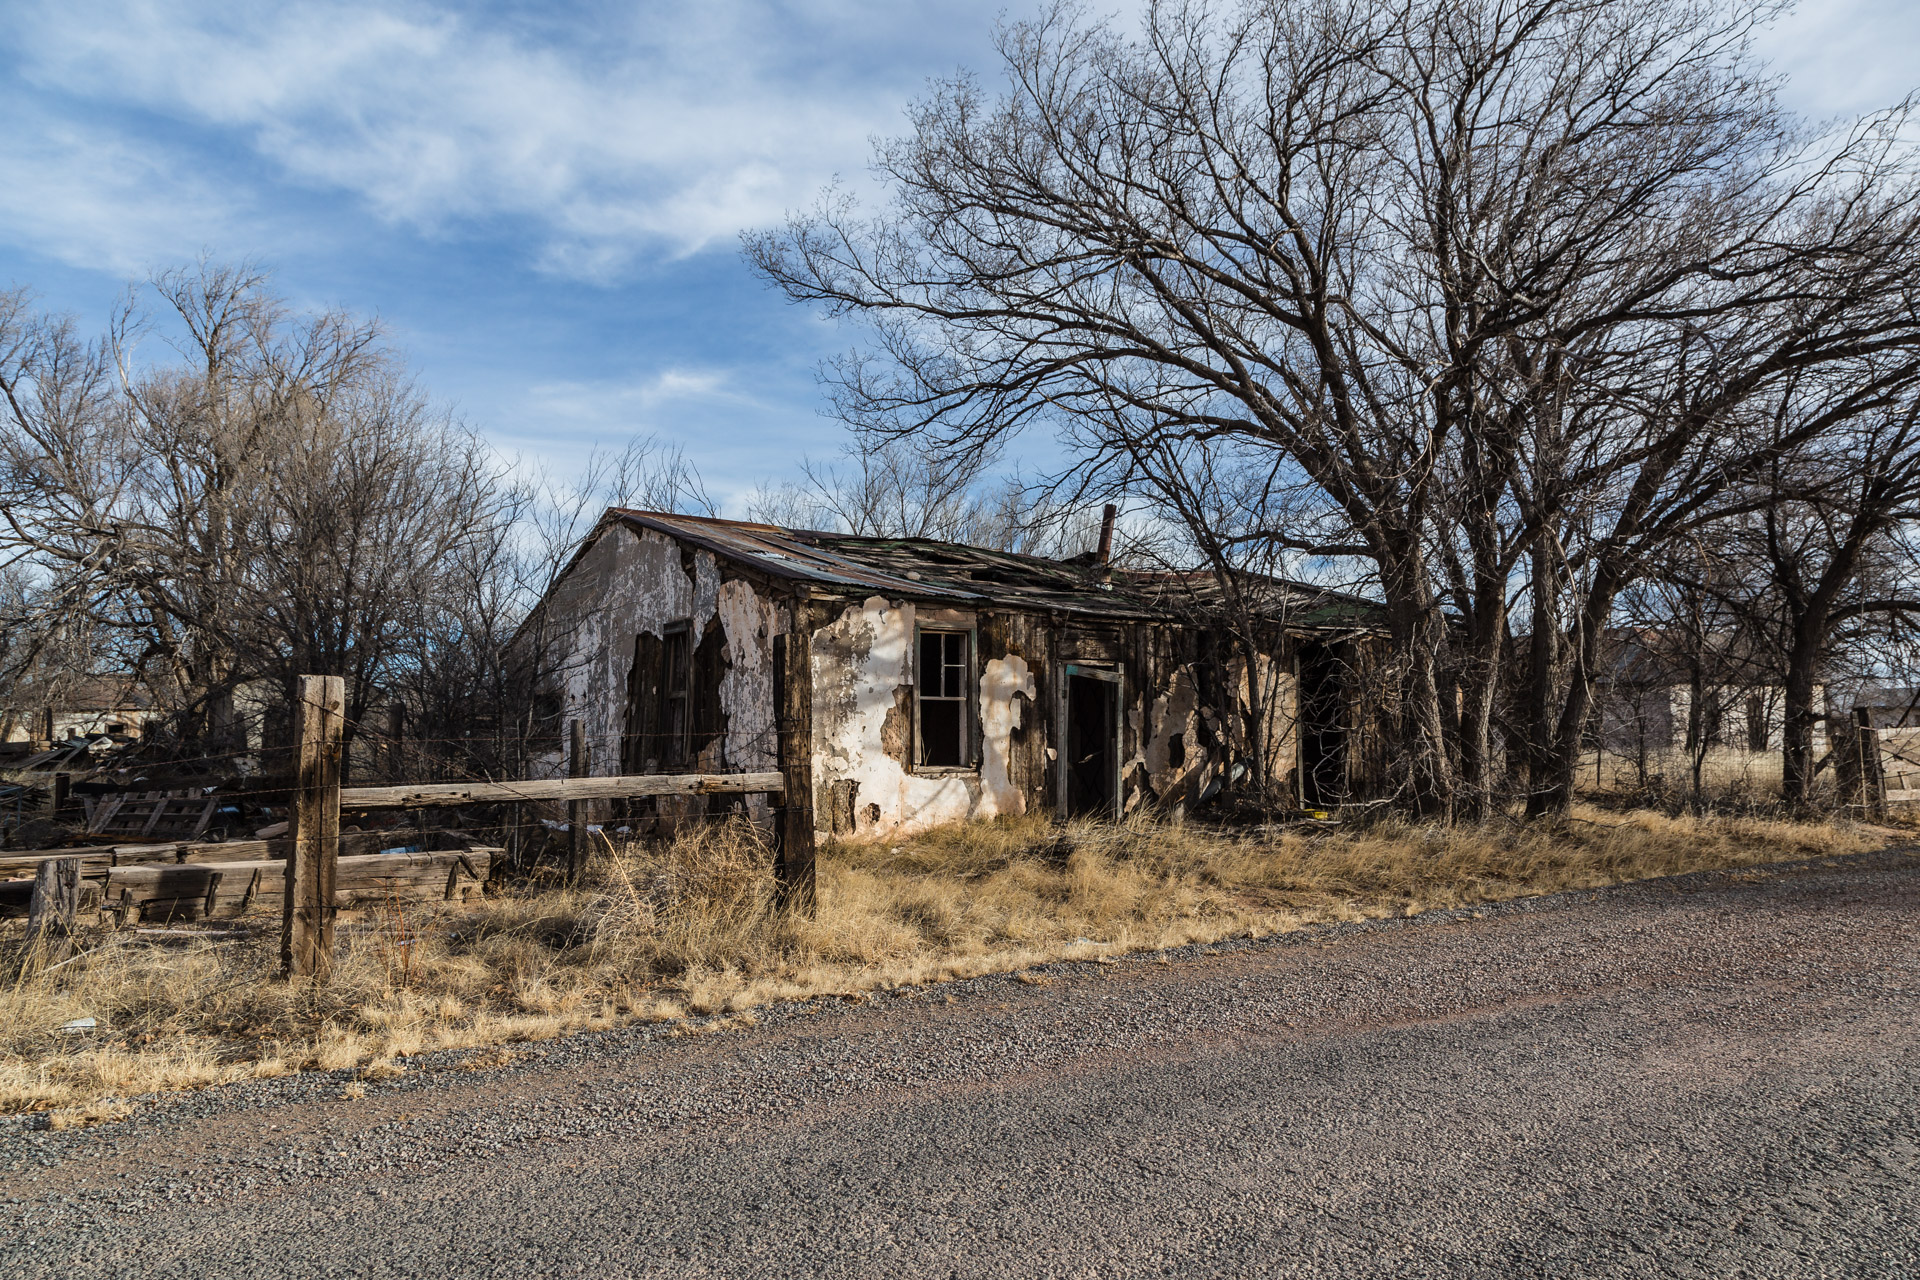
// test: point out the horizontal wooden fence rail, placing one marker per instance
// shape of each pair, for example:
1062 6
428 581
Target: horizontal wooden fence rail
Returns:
433 795
96 859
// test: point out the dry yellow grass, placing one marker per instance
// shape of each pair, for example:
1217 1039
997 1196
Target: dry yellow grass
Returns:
689 928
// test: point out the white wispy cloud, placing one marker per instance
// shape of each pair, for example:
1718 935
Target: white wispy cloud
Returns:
657 129
92 198
610 402
1846 57
732 431
595 136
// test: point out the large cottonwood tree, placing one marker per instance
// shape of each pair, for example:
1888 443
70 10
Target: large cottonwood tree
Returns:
1490 283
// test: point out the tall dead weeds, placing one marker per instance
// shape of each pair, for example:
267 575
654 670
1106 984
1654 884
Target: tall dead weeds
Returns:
690 926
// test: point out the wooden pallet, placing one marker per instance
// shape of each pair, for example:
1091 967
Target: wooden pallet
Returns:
150 815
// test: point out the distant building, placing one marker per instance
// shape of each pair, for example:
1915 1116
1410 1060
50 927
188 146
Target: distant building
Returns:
1890 706
1644 699
88 707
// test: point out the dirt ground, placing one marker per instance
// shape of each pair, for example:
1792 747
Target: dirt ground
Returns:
1708 1075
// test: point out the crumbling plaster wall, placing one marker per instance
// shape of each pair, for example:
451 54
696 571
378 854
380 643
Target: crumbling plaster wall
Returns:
1171 750
1187 744
633 581
863 681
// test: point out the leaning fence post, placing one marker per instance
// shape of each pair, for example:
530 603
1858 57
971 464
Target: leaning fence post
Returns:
576 809
1873 779
793 868
306 934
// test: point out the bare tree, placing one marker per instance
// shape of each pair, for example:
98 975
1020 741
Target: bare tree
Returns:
899 487
885 488
1820 564
1466 272
276 500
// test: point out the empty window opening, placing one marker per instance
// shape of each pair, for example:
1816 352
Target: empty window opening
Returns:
942 689
1092 743
675 721
675 694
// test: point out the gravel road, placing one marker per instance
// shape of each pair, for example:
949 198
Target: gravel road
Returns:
1713 1075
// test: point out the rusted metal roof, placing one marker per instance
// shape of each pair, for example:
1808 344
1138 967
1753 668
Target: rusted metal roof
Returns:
926 569
783 553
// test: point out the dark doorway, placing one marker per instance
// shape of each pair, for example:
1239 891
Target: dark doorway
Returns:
1323 727
1092 743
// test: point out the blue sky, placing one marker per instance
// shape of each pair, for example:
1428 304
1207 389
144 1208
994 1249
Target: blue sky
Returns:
543 200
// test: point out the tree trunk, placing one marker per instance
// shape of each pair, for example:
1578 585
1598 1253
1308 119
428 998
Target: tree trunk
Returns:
1479 686
1416 634
1796 733
1543 647
1552 794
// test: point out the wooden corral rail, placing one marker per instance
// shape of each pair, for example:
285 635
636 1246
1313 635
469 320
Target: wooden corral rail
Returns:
434 795
95 859
169 890
310 880
1899 764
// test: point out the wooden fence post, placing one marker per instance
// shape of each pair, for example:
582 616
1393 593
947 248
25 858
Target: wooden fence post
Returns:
516 838
576 809
306 934
56 899
793 697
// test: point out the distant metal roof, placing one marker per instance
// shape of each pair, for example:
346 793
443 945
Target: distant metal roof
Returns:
926 569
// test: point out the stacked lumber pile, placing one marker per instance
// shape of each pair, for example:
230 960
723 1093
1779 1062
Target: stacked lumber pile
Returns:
181 881
151 815
227 890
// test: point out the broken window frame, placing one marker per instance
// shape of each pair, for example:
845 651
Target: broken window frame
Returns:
676 732
968 756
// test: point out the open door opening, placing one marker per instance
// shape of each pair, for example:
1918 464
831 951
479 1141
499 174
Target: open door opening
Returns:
1323 728
1092 755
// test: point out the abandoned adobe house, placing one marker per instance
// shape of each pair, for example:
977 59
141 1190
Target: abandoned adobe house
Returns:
947 682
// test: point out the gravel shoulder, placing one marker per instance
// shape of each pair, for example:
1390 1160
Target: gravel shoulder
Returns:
1711 1075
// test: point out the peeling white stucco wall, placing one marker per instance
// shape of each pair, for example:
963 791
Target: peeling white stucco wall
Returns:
631 582
1174 717
750 621
861 663
862 702
1003 683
